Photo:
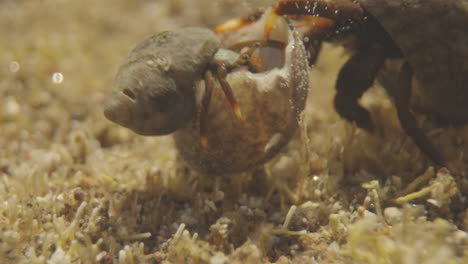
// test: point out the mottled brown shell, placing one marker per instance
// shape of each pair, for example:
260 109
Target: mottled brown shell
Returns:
153 92
433 36
271 103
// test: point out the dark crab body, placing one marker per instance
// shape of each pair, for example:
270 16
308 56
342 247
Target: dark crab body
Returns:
433 37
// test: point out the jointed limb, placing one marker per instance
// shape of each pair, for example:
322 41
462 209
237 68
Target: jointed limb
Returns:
401 95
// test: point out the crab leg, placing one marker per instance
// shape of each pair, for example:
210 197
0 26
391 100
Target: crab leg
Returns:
221 74
316 27
408 122
334 12
354 78
204 108
337 10
330 11
237 23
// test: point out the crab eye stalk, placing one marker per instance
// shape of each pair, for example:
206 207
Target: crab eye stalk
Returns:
243 59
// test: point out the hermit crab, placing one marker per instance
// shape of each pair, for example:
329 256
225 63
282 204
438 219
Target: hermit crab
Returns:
167 85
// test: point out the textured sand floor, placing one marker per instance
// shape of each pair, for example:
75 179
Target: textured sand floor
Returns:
75 188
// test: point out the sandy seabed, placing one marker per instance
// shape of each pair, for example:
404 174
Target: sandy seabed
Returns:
75 188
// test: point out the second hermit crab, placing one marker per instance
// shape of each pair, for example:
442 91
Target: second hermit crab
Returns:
428 37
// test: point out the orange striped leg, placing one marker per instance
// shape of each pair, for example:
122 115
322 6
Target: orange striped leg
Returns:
221 74
204 109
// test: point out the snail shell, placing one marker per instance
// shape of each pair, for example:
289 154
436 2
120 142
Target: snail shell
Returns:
153 92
